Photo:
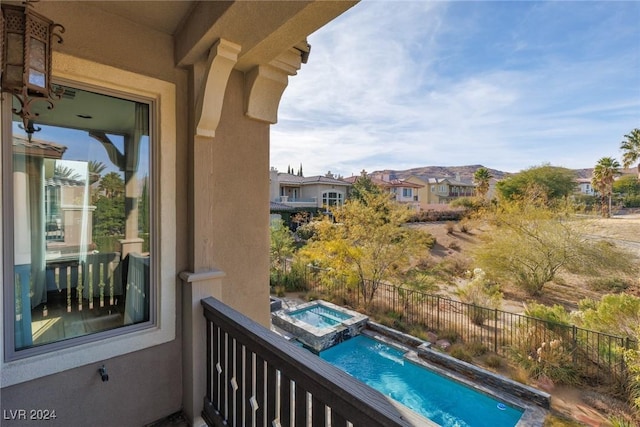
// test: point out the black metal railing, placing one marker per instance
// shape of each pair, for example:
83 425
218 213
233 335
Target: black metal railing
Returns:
256 377
598 356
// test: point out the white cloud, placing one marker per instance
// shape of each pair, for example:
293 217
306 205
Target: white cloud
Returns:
388 85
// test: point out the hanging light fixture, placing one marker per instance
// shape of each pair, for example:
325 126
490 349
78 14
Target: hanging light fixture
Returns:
25 51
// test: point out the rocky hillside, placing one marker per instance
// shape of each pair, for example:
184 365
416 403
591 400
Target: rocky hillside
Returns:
464 172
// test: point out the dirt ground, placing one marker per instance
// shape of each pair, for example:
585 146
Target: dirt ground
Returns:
580 407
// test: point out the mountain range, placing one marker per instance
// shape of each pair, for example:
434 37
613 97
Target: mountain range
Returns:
465 173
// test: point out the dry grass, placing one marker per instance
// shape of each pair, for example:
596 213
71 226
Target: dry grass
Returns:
453 248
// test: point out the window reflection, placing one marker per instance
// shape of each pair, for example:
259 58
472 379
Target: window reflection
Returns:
81 219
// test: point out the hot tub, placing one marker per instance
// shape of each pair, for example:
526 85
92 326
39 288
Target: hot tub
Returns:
320 324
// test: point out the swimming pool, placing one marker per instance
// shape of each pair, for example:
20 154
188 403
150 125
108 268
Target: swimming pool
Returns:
440 399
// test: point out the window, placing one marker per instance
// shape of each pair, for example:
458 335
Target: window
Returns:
81 232
331 198
407 192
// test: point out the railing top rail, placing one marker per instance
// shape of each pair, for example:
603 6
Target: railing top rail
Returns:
340 391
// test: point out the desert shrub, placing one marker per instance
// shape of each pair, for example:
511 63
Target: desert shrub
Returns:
476 348
555 314
618 421
609 284
520 375
463 226
454 246
632 359
452 266
295 278
449 335
449 226
493 361
559 281
547 359
615 314
484 296
392 319
423 263
312 296
460 352
418 331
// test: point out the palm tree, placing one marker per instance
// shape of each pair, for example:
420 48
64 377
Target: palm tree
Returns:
605 172
631 148
481 177
95 170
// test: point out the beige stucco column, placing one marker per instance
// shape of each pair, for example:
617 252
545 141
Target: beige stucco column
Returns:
228 181
210 79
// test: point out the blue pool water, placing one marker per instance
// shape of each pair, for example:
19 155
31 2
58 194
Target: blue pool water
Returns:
442 400
320 316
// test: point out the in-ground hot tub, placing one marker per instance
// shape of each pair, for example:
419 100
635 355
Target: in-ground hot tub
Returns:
320 324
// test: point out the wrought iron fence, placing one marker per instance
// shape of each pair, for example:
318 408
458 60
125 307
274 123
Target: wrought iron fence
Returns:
597 356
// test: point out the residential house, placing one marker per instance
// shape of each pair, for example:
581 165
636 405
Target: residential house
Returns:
183 92
320 192
585 187
438 191
403 191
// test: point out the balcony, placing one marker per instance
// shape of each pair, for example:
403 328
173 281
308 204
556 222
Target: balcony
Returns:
255 377
298 202
461 194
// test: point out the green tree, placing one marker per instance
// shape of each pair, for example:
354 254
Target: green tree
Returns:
109 216
553 183
282 245
631 149
604 174
362 186
627 185
368 243
531 244
627 188
111 185
482 177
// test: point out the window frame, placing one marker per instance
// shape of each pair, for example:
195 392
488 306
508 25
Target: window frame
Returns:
339 198
34 362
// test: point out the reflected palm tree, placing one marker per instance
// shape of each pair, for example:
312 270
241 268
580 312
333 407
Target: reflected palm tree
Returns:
95 170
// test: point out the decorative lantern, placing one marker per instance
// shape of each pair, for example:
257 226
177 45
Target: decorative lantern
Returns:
25 51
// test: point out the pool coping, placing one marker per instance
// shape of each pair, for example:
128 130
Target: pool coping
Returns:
497 386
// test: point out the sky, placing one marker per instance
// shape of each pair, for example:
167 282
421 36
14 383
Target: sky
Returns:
508 85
